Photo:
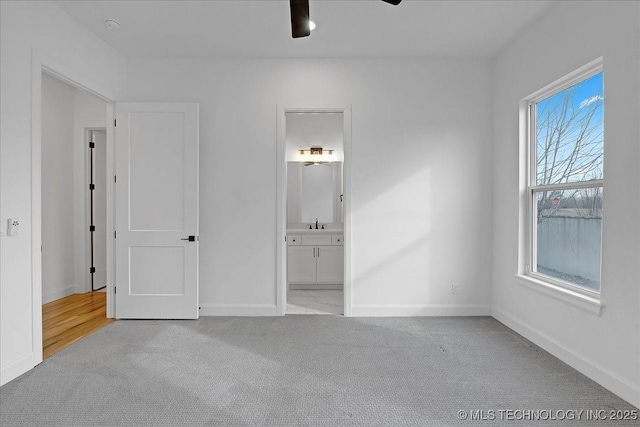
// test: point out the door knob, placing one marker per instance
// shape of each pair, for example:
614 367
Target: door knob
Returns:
190 238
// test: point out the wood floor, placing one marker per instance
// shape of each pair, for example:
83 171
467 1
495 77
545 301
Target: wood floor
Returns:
71 318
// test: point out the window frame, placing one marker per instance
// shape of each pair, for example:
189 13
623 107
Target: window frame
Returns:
531 188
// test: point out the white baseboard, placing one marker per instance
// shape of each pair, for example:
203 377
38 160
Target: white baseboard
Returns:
60 293
16 368
613 382
405 310
238 310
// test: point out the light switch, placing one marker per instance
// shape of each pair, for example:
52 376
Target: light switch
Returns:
12 227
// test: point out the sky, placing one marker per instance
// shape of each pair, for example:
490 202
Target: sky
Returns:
584 97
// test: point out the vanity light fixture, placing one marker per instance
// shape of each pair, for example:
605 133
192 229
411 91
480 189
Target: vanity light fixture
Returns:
315 155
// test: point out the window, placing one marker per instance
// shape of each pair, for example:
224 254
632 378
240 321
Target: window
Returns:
565 182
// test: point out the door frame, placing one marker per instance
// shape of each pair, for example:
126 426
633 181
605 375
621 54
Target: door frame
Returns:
40 63
281 202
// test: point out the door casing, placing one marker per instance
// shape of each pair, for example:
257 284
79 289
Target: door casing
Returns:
281 203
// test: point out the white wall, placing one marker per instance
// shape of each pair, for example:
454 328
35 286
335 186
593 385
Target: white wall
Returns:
311 129
293 188
421 175
43 29
57 189
604 347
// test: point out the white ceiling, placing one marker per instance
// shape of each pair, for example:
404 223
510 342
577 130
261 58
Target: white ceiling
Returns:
364 28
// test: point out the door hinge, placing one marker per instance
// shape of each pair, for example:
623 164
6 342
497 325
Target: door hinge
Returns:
92 186
92 144
114 290
114 122
92 270
115 178
285 238
115 235
92 228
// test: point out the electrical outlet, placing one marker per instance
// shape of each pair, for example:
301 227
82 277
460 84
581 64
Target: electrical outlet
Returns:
455 289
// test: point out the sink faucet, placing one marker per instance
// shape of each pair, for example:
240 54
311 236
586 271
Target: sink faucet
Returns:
316 223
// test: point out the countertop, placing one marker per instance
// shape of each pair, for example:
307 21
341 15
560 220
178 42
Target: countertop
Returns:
314 231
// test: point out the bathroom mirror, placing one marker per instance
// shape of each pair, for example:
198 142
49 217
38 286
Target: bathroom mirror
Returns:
314 191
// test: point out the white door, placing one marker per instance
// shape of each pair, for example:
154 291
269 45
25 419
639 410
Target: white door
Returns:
100 209
156 159
330 264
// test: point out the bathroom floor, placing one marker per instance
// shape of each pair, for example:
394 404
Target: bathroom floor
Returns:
315 302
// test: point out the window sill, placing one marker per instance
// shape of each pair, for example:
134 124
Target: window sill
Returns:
584 302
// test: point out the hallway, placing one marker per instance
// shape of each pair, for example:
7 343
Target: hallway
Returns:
72 318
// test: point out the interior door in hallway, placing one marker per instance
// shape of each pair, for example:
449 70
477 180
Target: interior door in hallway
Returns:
99 208
156 189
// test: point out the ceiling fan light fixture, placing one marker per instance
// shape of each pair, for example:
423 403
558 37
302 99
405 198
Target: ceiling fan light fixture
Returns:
299 18
301 25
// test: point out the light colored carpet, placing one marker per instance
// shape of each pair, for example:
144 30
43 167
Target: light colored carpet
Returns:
300 370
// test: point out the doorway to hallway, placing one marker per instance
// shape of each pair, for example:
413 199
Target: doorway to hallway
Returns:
69 319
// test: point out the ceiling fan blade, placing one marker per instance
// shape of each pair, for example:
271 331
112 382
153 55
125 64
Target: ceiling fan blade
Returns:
299 18
393 2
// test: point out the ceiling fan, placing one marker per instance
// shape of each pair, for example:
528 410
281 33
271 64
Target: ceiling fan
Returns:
300 16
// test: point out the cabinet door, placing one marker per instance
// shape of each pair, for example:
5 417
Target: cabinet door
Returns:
330 261
301 264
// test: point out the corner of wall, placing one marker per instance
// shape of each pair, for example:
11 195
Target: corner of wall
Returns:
580 362
14 369
60 293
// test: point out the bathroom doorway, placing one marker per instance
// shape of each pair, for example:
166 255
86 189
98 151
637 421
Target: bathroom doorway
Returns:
314 212
315 244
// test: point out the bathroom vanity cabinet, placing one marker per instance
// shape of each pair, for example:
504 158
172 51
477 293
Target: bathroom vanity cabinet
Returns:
315 261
